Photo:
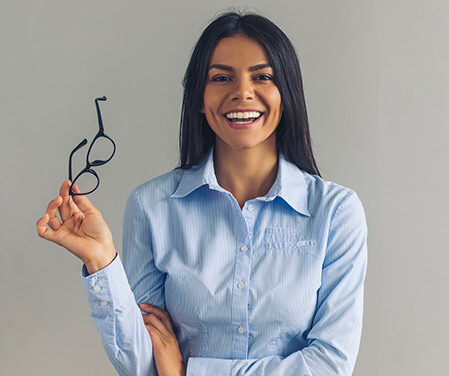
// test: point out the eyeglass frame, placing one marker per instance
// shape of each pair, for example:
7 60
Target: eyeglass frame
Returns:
96 162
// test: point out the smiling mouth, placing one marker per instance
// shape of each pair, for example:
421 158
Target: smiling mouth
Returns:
243 118
244 121
239 123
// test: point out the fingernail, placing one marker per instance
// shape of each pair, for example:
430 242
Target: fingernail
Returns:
145 305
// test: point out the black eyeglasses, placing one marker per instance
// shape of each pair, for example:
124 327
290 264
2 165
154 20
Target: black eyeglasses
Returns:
87 173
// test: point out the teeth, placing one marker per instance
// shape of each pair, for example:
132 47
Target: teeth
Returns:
243 115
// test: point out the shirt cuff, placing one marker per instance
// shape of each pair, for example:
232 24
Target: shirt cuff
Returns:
106 289
209 366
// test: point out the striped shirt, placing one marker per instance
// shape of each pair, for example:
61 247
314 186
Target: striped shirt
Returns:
273 288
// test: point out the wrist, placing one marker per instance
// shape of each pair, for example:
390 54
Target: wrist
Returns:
97 263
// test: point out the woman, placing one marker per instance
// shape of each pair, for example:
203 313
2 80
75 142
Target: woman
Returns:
243 260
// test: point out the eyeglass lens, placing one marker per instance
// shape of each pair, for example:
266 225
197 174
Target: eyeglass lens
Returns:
87 181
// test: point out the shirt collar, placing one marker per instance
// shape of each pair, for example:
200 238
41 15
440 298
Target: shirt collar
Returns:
201 174
290 184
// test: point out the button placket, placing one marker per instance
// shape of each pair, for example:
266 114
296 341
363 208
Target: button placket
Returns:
240 303
242 272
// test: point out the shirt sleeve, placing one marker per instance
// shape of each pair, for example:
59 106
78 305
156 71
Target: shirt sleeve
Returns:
334 339
113 296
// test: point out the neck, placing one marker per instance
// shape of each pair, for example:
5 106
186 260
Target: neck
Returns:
246 173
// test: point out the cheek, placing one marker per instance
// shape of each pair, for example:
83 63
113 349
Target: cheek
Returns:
211 99
273 98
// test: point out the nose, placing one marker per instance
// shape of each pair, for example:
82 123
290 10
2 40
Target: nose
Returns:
242 89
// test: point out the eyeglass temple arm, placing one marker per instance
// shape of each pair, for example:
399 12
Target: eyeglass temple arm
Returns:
100 121
80 145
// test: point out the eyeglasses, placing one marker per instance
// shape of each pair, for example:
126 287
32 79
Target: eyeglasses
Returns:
87 173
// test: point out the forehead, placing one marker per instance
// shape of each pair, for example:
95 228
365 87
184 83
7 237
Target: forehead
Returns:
238 51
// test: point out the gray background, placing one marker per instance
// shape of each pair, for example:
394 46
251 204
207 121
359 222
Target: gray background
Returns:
377 89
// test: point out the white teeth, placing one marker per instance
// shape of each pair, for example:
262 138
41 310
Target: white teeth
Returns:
243 115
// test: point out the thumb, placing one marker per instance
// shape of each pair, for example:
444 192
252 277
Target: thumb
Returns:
82 201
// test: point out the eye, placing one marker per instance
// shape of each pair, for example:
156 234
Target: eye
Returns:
263 77
220 79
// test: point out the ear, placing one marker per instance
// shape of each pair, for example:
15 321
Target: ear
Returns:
202 109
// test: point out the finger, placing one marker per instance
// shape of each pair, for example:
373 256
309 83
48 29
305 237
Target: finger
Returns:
42 230
73 206
164 316
157 326
53 221
155 334
146 318
65 210
159 323
82 201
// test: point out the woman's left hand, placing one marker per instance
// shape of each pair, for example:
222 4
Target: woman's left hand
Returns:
166 352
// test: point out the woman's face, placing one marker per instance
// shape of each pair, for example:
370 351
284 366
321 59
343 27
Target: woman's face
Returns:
241 102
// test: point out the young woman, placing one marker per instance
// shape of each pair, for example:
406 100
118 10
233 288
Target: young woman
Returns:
243 260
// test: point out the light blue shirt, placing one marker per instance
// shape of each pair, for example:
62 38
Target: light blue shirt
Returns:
274 288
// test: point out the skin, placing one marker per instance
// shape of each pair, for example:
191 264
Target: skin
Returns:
81 229
166 352
245 165
245 159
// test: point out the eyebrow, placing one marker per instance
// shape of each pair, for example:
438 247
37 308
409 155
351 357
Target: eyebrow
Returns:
231 69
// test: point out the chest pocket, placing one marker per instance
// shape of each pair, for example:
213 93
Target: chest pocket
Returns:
285 239
292 257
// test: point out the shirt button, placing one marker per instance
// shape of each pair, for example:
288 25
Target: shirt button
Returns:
97 288
103 303
241 330
244 248
241 285
250 207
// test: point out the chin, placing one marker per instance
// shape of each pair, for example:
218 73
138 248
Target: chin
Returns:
247 141
239 145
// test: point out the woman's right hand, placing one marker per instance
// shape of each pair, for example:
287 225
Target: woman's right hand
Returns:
80 229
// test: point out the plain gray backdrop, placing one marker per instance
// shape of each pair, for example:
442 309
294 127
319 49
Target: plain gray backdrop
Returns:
377 89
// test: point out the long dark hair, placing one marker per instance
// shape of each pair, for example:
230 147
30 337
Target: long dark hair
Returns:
292 133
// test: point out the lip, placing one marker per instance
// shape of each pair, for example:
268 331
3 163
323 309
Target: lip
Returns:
244 110
243 126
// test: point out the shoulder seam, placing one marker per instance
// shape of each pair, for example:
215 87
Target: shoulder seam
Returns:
339 206
139 203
